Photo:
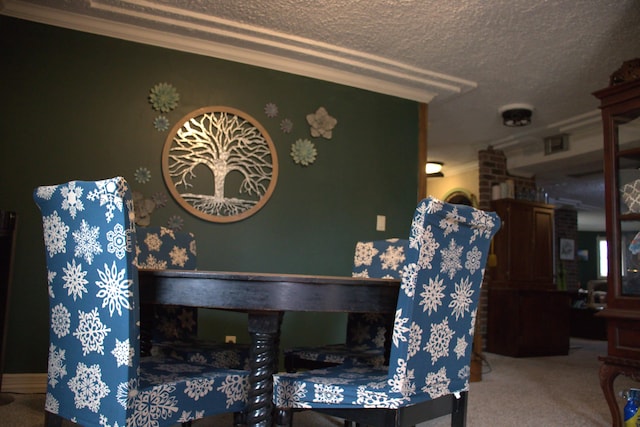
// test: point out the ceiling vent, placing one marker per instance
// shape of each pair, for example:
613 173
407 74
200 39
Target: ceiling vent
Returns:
556 144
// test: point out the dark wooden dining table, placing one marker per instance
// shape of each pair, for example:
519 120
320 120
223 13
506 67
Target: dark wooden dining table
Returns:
265 297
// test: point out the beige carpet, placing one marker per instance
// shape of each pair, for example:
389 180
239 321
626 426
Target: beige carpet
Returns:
542 392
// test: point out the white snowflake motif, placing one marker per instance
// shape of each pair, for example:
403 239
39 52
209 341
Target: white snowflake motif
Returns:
461 298
60 320
292 394
451 259
392 258
109 194
465 372
432 295
324 393
72 199
473 260
55 234
178 256
409 279
123 353
88 387
126 392
434 206
376 399
428 249
153 242
399 328
438 344
153 263
364 254
150 405
87 244
114 289
56 369
450 222
118 241
46 191
415 339
91 332
417 227
51 404
74 279
235 387
51 275
198 388
186 416
437 383
472 329
461 347
482 224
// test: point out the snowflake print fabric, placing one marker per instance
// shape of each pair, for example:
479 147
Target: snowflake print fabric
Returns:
432 336
94 371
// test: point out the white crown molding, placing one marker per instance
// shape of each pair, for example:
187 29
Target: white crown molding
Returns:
198 33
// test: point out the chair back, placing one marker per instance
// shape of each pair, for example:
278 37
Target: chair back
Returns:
437 304
381 259
93 299
161 248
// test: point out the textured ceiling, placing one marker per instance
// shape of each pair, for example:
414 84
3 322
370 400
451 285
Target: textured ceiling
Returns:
467 58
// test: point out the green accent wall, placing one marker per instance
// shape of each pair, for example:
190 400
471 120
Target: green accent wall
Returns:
74 106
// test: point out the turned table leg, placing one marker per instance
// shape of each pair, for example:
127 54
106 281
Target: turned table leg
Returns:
264 330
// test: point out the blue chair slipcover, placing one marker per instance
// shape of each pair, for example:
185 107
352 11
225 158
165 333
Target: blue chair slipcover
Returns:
366 332
96 376
175 331
432 334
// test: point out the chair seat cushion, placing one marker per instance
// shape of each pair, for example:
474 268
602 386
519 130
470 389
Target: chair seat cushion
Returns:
340 386
339 353
167 388
221 355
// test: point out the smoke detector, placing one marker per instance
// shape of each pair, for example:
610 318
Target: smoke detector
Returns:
516 115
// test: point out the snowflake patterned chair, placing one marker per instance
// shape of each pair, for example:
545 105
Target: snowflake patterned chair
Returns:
96 376
175 331
365 341
429 369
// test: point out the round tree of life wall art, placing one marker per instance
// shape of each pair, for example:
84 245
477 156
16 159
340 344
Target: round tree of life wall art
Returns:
220 164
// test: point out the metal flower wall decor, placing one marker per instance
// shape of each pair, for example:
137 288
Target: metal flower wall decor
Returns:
321 123
220 164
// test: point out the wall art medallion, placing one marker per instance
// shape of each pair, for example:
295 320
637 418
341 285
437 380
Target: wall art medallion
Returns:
220 164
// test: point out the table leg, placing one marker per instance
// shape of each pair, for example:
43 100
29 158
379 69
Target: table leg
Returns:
608 374
264 330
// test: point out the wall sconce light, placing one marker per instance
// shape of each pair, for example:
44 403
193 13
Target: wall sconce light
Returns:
434 169
516 115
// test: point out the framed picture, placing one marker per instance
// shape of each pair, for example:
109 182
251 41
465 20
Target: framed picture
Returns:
567 249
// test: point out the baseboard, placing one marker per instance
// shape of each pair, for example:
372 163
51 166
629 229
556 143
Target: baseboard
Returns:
24 383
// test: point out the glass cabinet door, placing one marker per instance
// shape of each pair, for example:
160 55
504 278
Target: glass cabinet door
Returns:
626 131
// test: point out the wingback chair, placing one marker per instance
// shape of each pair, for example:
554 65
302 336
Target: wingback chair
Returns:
366 332
175 331
96 376
429 365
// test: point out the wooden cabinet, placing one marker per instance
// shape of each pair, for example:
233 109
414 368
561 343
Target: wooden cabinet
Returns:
524 245
620 105
526 316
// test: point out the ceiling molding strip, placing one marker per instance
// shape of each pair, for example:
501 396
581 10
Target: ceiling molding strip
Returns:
377 75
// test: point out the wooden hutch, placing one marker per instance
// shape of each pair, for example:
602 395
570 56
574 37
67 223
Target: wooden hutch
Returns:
526 316
620 105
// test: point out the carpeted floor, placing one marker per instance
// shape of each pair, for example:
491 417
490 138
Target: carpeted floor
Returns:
558 391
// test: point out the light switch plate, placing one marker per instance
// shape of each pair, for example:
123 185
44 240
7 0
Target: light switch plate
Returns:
381 223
